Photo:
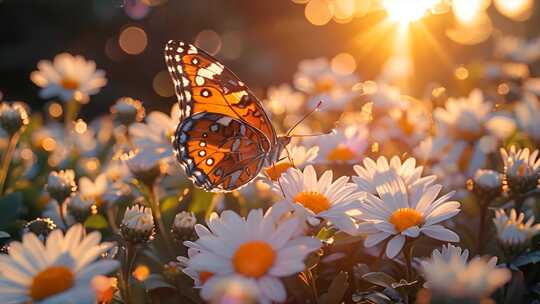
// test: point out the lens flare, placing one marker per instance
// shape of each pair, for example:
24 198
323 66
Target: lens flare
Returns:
404 12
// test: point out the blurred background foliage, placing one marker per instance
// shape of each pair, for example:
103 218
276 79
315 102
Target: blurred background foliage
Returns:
262 41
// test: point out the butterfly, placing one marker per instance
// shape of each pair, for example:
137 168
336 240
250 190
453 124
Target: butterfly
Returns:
224 137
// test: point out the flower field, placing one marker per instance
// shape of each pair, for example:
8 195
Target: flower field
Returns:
416 183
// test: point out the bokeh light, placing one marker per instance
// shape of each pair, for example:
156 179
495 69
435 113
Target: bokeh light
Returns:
319 12
209 41
133 40
162 84
343 63
466 11
461 73
80 126
473 31
517 10
55 110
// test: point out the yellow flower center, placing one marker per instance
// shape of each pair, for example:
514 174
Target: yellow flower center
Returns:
254 259
341 153
275 171
404 218
205 276
313 201
50 281
69 83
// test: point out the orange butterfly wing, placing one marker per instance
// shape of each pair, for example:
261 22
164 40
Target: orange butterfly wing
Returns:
203 84
219 153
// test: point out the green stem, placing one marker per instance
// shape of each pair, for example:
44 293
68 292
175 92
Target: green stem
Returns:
407 255
72 110
6 160
481 227
127 265
156 211
520 200
111 216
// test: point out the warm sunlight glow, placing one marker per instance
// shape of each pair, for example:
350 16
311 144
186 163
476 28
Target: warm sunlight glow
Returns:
405 12
467 10
518 10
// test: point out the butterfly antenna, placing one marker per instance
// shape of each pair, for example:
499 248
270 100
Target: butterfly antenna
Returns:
289 157
304 118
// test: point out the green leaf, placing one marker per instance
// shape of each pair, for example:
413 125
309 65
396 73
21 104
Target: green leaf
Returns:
96 221
156 281
528 258
379 278
200 201
325 233
337 289
10 208
4 235
169 204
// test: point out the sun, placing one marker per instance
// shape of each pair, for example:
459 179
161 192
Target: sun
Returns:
405 12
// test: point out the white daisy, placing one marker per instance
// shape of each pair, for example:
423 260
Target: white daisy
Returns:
517 49
527 113
256 249
463 118
514 230
384 98
372 173
300 156
521 164
93 189
397 212
343 145
451 276
316 78
68 77
233 289
58 272
315 198
155 135
283 99
449 252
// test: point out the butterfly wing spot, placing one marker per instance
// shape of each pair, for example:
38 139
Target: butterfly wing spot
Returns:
210 161
199 80
193 61
206 93
202 153
214 128
202 143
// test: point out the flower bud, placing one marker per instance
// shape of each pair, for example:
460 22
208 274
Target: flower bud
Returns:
514 233
61 184
127 110
487 184
183 228
79 207
522 169
13 117
137 225
144 166
41 227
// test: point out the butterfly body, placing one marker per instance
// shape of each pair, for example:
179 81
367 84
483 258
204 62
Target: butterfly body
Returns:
224 138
